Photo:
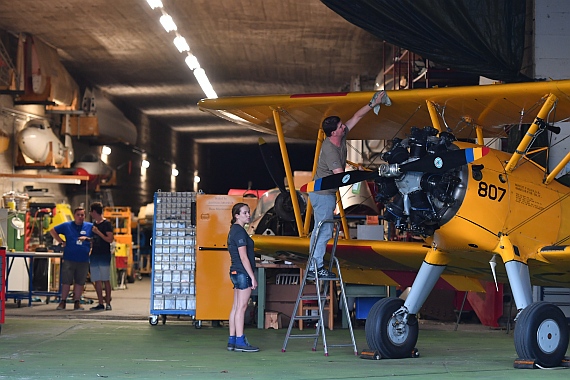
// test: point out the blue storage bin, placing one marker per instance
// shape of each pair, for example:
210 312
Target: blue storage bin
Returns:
362 306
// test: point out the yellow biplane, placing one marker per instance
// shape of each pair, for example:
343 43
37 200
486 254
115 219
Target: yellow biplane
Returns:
500 209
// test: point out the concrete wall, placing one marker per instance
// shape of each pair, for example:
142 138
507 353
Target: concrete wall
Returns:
551 36
552 58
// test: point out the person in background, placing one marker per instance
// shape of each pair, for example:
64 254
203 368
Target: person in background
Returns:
332 160
75 261
240 246
100 267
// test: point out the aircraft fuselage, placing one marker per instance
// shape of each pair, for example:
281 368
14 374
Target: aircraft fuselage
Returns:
495 203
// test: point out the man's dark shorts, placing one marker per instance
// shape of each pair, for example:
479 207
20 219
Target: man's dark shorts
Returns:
73 272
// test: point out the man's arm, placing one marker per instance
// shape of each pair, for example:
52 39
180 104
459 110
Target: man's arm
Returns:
107 236
56 237
358 115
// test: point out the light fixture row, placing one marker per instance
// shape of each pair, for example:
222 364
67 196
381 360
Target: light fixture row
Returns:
145 164
180 42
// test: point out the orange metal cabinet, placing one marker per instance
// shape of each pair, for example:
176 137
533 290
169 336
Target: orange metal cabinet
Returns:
214 290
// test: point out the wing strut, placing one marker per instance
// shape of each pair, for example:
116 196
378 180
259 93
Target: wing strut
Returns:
561 165
531 133
287 164
433 115
479 131
308 214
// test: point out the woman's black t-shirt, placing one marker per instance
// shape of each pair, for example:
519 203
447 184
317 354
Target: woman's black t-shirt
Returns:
238 237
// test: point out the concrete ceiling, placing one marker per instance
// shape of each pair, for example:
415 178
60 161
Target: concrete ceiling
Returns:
247 47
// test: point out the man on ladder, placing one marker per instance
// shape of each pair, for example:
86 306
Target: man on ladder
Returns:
332 160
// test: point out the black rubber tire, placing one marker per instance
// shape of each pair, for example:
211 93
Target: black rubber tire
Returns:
541 333
381 335
153 320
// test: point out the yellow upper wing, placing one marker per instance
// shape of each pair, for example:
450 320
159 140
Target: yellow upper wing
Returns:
490 106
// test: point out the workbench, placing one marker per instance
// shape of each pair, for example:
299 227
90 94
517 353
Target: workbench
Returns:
29 258
262 288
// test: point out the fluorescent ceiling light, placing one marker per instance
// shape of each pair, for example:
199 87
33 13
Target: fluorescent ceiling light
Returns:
154 3
168 23
181 44
202 79
192 62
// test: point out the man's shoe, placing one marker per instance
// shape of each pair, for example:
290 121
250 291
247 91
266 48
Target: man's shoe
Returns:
231 347
77 306
108 307
324 274
97 308
310 275
245 348
61 306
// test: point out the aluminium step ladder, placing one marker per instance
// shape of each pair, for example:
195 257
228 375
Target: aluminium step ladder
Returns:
322 289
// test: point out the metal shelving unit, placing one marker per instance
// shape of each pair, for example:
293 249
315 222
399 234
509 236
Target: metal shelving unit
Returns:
173 289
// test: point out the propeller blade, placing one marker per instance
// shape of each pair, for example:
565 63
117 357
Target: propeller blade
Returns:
432 163
337 180
442 162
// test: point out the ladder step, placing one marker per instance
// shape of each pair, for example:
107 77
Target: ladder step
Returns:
303 336
305 317
341 345
326 279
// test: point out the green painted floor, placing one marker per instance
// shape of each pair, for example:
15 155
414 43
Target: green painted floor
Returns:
47 348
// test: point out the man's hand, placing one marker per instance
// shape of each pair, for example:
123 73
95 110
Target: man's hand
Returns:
379 98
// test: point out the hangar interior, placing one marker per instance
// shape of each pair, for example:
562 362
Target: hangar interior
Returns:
116 103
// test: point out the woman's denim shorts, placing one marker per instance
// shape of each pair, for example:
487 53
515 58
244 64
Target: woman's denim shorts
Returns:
240 280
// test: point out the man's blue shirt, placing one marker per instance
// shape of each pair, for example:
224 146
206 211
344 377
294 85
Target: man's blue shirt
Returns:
75 249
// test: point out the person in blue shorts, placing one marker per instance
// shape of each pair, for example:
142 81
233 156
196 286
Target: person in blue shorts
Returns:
75 261
100 267
240 246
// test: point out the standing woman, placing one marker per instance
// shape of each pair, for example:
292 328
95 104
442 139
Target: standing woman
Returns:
240 246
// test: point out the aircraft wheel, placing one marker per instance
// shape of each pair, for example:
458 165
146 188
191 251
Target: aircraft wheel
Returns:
541 333
386 333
